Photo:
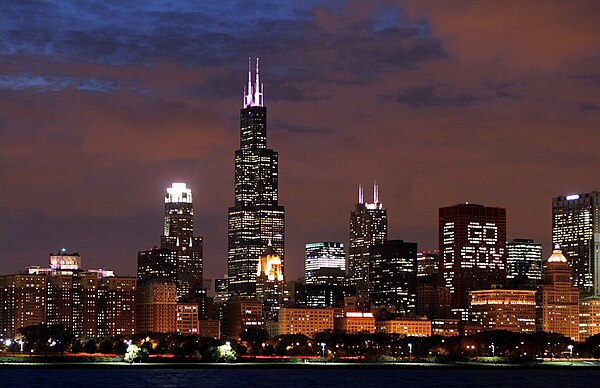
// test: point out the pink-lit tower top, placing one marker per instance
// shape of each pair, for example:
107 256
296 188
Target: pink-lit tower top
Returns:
253 94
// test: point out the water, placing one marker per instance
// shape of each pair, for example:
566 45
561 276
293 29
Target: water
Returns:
327 376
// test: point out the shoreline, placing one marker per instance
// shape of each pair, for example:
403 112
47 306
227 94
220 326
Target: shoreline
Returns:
291 365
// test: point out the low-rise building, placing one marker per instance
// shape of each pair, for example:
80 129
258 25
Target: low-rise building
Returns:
187 318
500 309
209 328
589 317
307 321
355 322
241 313
407 327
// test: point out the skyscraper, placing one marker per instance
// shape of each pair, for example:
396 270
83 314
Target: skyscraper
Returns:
523 262
179 236
472 242
256 217
368 227
269 283
321 255
179 258
392 276
576 227
558 299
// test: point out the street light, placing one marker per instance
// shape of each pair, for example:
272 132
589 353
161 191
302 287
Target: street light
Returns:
409 350
323 348
570 347
493 350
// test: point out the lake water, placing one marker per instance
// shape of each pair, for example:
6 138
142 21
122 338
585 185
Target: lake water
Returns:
298 377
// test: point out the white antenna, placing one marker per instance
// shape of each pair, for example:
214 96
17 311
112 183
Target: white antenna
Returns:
375 192
360 194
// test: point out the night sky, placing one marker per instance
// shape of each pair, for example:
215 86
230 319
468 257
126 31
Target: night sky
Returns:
105 104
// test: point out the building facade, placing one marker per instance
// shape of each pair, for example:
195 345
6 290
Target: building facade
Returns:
93 303
241 313
256 217
503 309
179 258
558 300
323 256
307 321
157 306
354 322
472 249
270 285
589 317
393 275
576 227
523 262
406 327
368 227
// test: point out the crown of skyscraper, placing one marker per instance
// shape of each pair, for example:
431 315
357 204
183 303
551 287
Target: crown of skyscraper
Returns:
253 94
178 193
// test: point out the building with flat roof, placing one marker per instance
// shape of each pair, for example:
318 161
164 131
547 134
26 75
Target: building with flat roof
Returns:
355 322
576 227
323 255
501 309
157 306
589 317
523 262
393 275
241 313
472 254
417 327
307 321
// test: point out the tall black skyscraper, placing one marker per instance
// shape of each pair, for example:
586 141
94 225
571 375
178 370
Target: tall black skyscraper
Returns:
256 218
368 227
392 276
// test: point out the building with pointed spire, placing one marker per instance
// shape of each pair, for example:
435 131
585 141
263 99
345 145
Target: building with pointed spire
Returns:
558 299
368 227
256 217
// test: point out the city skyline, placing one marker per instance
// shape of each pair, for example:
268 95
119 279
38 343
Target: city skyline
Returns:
436 105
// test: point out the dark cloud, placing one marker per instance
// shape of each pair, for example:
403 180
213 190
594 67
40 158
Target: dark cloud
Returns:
431 96
590 107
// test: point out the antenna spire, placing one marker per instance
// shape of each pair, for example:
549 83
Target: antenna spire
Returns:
253 94
360 194
375 192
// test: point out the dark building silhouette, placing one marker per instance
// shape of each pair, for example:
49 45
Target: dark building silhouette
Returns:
427 284
472 253
256 218
393 275
322 295
368 227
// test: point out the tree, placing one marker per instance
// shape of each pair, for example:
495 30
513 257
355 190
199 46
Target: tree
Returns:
90 346
135 353
47 338
105 347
